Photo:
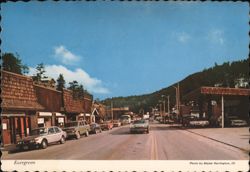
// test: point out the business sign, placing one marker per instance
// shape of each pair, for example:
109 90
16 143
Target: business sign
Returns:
4 126
60 120
40 120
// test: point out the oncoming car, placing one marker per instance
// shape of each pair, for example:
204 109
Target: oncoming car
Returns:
139 126
42 137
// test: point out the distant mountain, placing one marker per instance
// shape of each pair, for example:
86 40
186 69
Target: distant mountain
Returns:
226 75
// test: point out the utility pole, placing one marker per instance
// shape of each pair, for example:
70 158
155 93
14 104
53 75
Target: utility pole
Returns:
168 106
112 109
222 111
177 90
160 110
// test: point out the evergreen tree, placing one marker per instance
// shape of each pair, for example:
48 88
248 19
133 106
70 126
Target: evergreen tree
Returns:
40 70
60 83
13 64
73 85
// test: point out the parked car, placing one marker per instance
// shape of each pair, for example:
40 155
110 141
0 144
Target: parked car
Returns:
116 123
106 125
238 123
193 121
234 121
94 128
158 118
76 129
199 123
139 126
42 137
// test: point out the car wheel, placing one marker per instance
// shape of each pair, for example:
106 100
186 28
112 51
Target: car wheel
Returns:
147 131
44 144
78 135
87 133
95 131
62 141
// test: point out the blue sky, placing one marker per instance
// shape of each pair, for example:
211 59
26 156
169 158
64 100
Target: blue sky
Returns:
125 48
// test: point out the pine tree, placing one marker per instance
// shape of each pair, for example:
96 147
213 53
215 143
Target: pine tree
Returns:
13 63
60 83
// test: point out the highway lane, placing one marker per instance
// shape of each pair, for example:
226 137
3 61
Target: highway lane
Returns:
162 143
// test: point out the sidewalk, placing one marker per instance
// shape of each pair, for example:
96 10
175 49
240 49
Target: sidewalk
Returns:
7 149
236 137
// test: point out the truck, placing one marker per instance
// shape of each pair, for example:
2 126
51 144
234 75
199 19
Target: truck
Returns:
125 119
76 129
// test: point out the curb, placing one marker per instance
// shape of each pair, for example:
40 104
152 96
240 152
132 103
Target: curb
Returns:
218 141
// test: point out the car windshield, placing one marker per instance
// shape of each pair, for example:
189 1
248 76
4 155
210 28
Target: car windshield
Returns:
233 117
71 124
92 125
38 131
125 117
139 122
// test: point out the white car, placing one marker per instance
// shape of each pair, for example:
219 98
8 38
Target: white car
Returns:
139 126
238 123
42 137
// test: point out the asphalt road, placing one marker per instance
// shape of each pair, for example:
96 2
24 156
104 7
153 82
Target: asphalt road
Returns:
162 143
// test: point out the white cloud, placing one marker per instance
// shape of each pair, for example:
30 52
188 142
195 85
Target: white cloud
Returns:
93 85
183 37
65 55
216 36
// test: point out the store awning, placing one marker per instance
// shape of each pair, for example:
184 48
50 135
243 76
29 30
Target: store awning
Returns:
44 113
13 115
82 114
59 114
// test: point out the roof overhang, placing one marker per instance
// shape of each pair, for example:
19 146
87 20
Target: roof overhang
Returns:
12 104
216 91
95 110
12 114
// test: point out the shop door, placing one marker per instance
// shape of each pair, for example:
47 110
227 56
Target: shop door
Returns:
48 122
6 131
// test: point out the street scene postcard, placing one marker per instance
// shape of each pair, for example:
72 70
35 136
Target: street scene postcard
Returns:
125 86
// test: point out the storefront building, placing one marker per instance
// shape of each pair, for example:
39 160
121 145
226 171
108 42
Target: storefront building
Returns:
73 108
19 107
215 102
51 99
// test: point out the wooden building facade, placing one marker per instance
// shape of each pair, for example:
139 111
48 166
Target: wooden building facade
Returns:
19 107
26 106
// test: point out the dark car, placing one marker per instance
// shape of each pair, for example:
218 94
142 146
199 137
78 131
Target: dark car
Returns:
94 128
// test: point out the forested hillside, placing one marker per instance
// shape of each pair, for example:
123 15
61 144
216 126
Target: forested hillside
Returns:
224 75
